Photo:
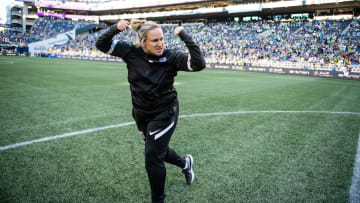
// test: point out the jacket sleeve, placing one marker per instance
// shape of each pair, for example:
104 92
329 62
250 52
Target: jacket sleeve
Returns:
194 61
106 44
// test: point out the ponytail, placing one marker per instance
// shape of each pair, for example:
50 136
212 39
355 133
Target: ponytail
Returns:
141 27
136 24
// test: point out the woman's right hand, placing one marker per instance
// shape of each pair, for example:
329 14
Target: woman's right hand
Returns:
123 25
178 29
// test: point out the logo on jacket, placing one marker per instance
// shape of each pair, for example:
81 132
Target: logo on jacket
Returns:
161 60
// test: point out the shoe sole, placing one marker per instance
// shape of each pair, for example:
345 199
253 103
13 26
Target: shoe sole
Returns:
191 168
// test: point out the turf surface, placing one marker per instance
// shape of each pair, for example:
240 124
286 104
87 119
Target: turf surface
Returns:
252 157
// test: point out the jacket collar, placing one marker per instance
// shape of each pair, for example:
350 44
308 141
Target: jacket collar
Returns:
152 58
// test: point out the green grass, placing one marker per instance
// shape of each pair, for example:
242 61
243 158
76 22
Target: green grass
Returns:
257 157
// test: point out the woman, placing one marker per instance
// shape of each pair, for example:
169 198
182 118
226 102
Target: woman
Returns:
151 72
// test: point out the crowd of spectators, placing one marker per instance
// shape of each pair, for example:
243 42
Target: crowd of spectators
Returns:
295 44
43 28
304 44
15 39
47 27
57 25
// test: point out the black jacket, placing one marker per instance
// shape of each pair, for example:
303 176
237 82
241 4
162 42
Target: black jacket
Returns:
151 77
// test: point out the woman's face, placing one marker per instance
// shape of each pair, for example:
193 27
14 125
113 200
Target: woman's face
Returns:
154 43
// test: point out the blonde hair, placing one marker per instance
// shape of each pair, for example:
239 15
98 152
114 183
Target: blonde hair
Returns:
142 27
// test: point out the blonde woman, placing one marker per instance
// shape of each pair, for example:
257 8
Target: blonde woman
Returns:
151 73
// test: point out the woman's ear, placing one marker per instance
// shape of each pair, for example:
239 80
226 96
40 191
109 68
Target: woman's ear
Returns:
142 43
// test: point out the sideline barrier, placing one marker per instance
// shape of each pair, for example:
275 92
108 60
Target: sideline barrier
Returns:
91 58
286 71
289 71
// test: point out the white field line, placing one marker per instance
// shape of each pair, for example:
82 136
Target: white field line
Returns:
355 185
6 62
251 112
64 135
181 116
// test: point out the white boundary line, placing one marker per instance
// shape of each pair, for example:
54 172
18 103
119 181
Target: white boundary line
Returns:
7 62
250 112
64 135
355 184
181 116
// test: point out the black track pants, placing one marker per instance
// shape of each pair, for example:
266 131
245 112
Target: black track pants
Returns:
158 130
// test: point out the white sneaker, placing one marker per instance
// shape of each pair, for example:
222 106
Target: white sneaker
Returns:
188 171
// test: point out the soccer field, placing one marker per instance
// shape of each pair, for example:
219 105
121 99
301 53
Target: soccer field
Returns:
255 137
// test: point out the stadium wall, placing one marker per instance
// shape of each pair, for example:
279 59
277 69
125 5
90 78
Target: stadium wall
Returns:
289 71
285 71
91 58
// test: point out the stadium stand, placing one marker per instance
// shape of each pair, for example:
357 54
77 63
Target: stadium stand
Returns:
322 45
313 44
47 27
301 43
